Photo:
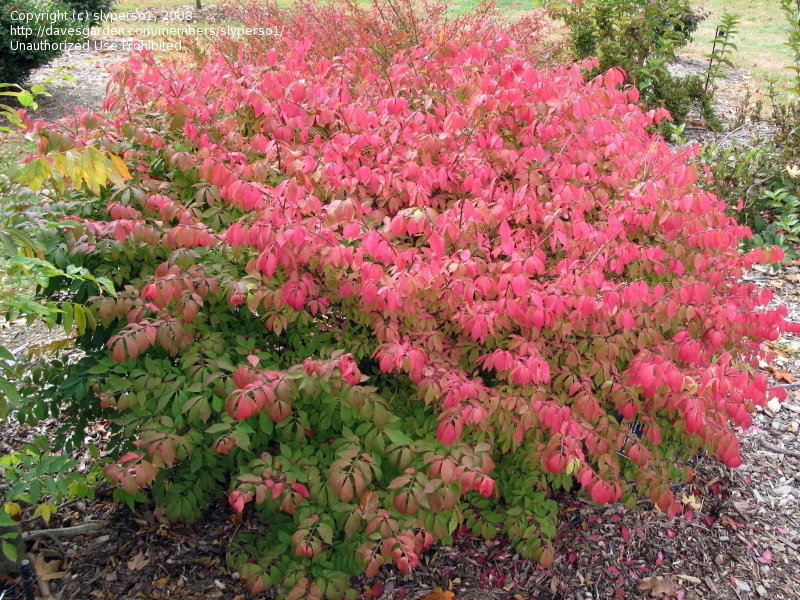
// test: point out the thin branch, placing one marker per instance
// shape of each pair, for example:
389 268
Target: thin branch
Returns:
777 449
787 385
65 531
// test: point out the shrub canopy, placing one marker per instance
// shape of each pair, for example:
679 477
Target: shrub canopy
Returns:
380 299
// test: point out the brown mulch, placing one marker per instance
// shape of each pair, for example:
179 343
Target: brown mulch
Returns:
90 70
738 103
137 555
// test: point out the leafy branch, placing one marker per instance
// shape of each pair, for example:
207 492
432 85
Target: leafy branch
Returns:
722 48
791 10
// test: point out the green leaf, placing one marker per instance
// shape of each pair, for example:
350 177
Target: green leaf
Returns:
45 510
25 98
242 439
8 244
398 437
6 520
80 318
66 321
9 391
218 427
325 533
9 550
106 284
548 527
453 522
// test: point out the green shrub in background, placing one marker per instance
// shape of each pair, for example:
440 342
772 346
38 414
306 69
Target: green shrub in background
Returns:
759 185
93 8
16 62
640 37
761 182
626 33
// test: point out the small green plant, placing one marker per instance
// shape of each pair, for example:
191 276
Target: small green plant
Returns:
25 99
678 94
761 186
10 539
721 49
37 476
791 11
9 396
674 133
37 479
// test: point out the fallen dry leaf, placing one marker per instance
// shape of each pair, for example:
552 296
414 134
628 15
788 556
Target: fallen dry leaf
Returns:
783 375
728 522
691 502
439 594
659 586
138 562
47 570
765 558
160 515
547 557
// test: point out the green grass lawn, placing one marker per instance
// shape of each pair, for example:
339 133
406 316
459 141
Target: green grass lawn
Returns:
131 5
510 6
506 5
761 37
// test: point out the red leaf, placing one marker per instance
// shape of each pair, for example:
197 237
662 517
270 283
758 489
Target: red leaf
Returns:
300 489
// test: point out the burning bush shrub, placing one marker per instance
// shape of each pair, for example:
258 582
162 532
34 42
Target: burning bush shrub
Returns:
377 300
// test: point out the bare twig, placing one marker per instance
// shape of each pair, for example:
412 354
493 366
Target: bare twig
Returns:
65 531
773 448
787 385
44 588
